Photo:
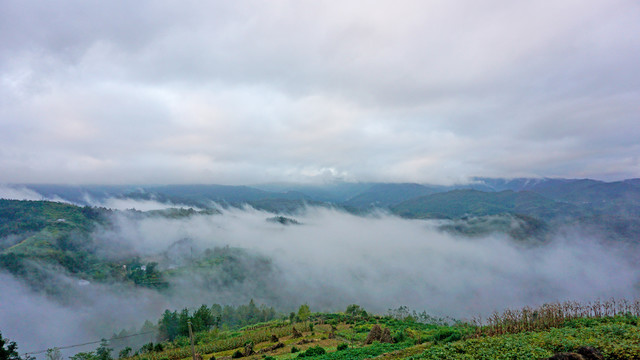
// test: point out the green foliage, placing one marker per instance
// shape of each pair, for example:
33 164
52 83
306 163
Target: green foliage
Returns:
367 352
173 323
103 352
354 310
616 340
617 337
446 335
459 203
49 234
18 217
313 351
404 314
145 274
90 355
8 349
237 354
304 312
124 353
202 319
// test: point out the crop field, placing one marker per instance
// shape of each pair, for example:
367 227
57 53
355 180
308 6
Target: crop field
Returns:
612 327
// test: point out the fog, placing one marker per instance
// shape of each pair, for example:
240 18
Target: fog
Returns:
329 261
16 192
137 204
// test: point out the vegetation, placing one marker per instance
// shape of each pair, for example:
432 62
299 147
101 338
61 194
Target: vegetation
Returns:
554 315
612 327
614 337
39 239
174 324
8 349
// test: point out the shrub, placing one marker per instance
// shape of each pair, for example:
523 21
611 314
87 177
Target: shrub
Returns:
343 346
294 349
313 351
237 354
400 336
446 335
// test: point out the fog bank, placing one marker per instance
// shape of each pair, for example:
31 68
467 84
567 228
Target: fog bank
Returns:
329 261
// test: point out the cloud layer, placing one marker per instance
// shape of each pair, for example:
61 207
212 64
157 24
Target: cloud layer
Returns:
332 260
242 92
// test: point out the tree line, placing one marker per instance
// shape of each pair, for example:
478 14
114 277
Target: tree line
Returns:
175 323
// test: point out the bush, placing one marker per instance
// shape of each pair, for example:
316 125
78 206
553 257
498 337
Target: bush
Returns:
343 346
313 351
446 335
236 355
294 349
400 336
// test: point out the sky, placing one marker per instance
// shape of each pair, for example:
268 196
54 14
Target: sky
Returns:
243 92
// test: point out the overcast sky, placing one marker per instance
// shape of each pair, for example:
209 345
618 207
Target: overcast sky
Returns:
241 92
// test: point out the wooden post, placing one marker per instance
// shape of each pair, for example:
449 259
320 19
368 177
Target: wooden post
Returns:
193 348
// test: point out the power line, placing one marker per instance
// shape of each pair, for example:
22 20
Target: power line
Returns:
87 343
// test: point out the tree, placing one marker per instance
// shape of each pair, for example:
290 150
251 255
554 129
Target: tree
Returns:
8 349
304 312
168 326
355 310
53 354
126 352
183 322
84 356
202 319
103 352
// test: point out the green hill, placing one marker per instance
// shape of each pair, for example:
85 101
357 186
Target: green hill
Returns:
463 203
385 195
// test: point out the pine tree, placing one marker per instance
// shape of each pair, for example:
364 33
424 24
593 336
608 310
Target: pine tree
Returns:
8 349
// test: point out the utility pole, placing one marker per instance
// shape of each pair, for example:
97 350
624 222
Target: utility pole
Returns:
193 348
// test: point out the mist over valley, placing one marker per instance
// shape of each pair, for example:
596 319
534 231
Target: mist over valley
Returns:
443 179
456 252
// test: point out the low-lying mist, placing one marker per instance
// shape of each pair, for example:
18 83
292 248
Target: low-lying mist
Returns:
330 260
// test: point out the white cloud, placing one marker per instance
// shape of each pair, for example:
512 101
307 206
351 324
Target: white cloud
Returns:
416 91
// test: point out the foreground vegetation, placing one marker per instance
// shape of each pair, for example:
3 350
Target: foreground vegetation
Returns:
611 327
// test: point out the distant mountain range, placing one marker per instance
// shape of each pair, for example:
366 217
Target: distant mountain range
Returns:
351 195
609 207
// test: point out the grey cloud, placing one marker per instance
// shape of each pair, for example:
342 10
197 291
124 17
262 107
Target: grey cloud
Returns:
415 91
